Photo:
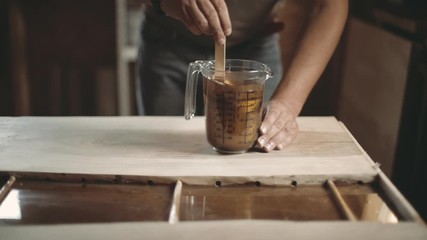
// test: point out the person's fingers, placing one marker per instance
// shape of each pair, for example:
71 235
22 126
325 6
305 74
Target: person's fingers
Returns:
198 17
283 137
275 141
274 135
270 117
209 17
270 126
286 136
192 27
187 18
224 17
213 21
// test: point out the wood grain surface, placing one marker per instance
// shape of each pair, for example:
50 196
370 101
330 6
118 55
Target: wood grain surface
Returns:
173 148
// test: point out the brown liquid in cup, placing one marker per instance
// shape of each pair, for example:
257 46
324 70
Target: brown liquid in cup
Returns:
233 114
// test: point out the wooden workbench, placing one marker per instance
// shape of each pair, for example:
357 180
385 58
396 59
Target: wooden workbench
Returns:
166 149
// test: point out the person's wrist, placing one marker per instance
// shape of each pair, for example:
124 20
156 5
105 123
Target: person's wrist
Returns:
292 107
157 5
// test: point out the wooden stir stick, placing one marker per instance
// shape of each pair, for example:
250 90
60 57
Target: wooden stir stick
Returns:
220 60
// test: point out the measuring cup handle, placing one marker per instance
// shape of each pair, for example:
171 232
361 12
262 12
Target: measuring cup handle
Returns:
191 90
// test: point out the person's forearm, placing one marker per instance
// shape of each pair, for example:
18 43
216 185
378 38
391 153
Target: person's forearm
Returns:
313 53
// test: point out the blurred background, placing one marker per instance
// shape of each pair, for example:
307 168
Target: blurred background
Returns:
77 58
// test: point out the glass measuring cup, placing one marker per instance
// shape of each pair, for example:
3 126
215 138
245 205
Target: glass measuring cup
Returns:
233 102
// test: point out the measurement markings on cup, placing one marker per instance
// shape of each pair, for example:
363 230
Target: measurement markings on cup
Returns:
236 116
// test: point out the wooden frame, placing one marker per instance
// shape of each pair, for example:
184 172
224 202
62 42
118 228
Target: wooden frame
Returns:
167 149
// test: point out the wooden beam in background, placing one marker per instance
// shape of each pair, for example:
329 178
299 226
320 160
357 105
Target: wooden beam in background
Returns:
21 88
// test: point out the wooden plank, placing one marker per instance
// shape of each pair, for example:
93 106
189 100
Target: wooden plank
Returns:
123 86
21 84
105 92
172 148
240 229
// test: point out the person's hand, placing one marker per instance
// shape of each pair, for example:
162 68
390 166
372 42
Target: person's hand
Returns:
208 17
279 127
